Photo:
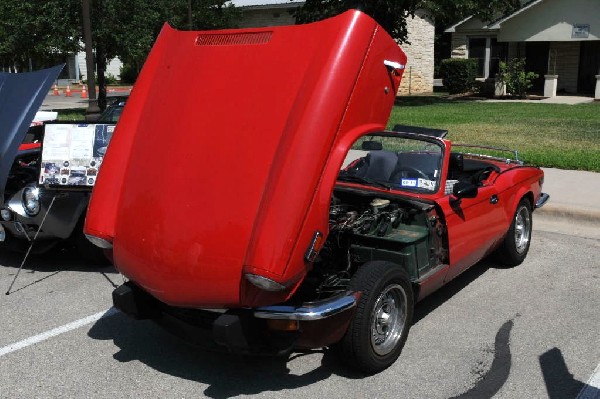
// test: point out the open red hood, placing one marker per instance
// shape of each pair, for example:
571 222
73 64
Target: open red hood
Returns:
217 164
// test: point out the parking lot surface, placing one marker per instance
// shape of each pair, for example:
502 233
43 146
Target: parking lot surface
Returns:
529 331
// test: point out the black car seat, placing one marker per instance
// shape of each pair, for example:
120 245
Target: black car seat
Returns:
455 166
379 165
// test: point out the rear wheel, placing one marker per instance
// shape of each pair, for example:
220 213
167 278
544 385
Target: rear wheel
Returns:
382 319
514 249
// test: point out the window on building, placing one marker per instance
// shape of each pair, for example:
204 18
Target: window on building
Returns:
498 52
488 52
477 47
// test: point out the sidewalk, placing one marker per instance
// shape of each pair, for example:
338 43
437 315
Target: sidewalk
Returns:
569 100
574 205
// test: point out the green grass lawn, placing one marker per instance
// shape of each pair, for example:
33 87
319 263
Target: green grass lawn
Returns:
551 135
75 114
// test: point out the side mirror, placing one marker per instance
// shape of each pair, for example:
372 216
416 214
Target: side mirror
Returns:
464 190
371 145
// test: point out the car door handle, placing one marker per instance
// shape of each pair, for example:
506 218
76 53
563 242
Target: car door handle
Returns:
494 199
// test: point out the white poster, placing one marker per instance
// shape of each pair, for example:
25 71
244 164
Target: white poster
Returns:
72 153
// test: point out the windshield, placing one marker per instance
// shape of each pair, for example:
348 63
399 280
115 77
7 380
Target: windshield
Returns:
111 114
389 160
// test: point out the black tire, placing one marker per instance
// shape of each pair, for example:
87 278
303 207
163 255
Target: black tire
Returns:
382 319
514 248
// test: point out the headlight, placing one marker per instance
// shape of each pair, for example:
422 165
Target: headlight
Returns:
264 283
99 242
31 200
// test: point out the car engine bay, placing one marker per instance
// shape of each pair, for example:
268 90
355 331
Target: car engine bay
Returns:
364 227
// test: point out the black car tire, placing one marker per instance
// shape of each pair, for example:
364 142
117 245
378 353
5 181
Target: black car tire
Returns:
382 319
514 248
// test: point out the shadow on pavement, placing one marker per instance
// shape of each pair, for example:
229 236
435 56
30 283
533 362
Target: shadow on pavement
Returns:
40 268
226 375
559 381
435 300
56 260
144 341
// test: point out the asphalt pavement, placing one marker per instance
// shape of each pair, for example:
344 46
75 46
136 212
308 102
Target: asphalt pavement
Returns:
55 102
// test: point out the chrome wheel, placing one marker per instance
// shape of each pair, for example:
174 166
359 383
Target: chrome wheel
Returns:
388 319
522 229
382 319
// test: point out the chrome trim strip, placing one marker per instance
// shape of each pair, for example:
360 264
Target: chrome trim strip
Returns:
310 311
542 200
514 152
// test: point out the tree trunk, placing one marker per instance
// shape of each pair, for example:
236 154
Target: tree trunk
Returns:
92 110
101 68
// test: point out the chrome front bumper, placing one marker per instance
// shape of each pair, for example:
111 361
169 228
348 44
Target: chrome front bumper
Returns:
310 311
542 200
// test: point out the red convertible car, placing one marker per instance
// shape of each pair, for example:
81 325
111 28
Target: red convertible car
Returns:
266 204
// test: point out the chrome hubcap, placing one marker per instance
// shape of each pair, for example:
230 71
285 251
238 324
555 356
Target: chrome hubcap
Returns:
388 319
522 229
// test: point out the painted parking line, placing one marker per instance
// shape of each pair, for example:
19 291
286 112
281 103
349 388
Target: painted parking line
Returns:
56 331
591 390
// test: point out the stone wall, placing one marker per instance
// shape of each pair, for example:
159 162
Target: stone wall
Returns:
418 76
459 45
567 64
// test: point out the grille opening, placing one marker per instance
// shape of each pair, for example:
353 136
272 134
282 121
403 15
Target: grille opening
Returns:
249 38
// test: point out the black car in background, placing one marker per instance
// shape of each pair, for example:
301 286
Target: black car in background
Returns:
60 213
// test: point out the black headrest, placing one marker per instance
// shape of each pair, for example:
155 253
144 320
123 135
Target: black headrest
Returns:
456 161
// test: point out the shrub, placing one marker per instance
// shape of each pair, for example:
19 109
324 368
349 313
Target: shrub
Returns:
517 80
110 79
459 74
129 73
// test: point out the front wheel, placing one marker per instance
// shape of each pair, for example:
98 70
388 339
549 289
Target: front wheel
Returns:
382 318
514 249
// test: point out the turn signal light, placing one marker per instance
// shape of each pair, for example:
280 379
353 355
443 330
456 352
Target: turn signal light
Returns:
283 325
315 246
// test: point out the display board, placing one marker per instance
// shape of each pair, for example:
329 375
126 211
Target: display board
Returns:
72 153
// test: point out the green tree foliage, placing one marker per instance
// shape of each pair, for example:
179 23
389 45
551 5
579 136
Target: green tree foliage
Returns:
448 12
41 31
128 29
390 14
132 26
46 30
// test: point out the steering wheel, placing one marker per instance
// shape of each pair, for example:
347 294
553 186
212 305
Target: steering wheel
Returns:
412 170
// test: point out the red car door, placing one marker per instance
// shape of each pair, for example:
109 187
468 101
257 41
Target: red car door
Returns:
474 226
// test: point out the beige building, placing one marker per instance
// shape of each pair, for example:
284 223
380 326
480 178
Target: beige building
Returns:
559 39
418 76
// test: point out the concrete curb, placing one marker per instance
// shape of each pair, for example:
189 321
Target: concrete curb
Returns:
561 211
